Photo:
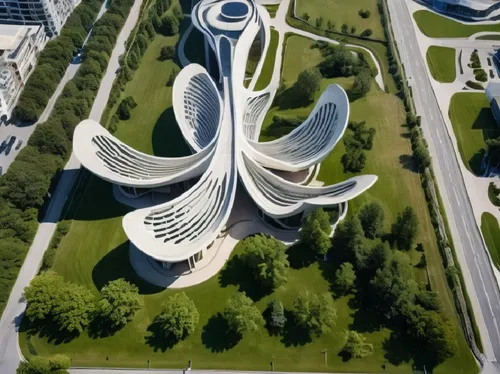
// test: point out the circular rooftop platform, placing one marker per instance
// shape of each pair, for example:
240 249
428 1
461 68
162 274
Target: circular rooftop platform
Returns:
234 11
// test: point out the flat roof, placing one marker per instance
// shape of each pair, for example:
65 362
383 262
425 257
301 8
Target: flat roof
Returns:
12 35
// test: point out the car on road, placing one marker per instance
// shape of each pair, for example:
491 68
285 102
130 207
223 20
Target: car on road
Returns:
19 144
3 146
10 142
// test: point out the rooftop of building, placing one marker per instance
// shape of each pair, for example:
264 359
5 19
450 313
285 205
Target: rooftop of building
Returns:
473 4
12 35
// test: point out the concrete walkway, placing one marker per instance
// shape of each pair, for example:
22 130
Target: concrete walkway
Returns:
10 355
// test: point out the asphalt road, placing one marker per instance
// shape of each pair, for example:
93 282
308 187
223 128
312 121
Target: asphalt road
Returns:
9 347
474 261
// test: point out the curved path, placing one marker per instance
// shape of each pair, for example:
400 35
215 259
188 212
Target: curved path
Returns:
10 355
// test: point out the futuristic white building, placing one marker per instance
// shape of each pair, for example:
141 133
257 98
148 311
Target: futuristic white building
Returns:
221 122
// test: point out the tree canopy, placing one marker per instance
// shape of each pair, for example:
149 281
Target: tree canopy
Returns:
308 83
268 260
314 312
178 316
345 277
315 231
356 345
405 229
120 301
371 217
241 314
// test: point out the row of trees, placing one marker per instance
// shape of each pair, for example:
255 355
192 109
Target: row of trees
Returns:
56 364
53 61
330 26
24 188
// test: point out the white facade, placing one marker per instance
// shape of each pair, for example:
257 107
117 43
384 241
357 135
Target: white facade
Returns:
475 10
19 49
51 13
221 123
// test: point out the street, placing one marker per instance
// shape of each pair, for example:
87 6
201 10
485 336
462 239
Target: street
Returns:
24 132
471 252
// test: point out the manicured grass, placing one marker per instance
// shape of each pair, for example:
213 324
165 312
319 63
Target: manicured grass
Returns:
343 11
398 185
267 69
488 37
435 26
272 9
491 234
441 61
95 251
473 123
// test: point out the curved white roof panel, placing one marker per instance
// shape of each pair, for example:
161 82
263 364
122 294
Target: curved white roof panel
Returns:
222 130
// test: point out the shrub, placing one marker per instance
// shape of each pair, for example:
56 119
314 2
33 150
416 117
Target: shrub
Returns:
364 13
493 194
481 75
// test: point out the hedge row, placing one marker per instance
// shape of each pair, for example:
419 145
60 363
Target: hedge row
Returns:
53 61
24 189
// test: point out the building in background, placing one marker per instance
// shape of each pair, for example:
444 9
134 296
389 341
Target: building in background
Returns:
52 14
493 95
475 10
19 49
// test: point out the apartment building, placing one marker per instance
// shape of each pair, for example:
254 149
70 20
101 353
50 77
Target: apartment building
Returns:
51 13
473 10
20 46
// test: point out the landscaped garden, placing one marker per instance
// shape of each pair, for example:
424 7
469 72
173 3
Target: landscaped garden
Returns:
95 250
435 26
342 16
441 61
473 124
491 234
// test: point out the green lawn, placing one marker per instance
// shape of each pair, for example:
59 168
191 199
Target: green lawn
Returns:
441 61
95 251
491 234
489 37
343 11
473 123
435 26
272 9
267 69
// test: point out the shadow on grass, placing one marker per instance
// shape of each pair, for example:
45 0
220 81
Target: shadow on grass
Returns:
100 327
236 272
167 139
158 340
294 334
291 98
476 160
300 256
217 336
115 265
408 163
47 329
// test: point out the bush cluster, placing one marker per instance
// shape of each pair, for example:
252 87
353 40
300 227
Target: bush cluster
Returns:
53 61
50 254
474 85
493 194
358 139
475 63
25 188
480 75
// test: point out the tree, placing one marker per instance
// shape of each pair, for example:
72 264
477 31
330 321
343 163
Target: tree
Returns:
123 110
344 28
308 83
421 155
50 138
364 13
177 10
349 238
169 24
330 25
379 255
316 313
394 286
405 229
354 160
356 345
42 295
345 277
306 16
178 316
315 231
241 314
120 301
319 22
268 260
371 217
353 30
167 52
277 317
367 33
362 84
74 307
172 76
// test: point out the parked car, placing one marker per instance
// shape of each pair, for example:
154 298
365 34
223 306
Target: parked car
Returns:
10 143
19 144
3 146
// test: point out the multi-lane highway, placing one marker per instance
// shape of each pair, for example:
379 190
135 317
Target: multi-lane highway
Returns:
481 283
